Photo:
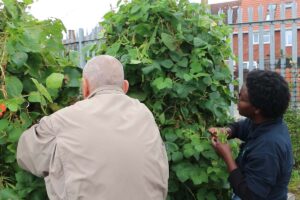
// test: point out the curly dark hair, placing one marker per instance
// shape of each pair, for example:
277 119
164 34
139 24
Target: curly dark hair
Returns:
269 92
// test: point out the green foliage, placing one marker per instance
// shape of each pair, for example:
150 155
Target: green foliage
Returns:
173 53
292 118
35 80
294 184
222 137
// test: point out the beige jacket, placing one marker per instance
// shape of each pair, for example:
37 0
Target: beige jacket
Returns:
107 147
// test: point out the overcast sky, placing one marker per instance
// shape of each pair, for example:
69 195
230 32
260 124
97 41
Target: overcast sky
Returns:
77 14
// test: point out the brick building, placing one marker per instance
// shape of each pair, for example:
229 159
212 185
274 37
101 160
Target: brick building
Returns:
267 15
266 35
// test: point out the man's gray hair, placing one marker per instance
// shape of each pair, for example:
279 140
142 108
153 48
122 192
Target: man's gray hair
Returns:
103 70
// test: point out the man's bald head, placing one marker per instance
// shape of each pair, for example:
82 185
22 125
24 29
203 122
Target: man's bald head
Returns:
103 70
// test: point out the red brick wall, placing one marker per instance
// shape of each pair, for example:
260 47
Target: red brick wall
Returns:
254 4
245 4
288 49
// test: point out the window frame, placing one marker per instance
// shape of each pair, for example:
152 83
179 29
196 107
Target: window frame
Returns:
265 35
271 6
288 5
255 39
290 33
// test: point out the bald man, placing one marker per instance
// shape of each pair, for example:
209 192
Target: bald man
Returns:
105 147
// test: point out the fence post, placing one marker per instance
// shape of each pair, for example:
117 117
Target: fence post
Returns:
261 39
229 21
240 48
80 45
282 39
272 41
250 38
294 56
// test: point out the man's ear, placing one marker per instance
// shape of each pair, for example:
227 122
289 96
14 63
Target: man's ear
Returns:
125 86
85 88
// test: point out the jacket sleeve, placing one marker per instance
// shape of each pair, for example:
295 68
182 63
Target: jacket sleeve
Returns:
36 146
240 129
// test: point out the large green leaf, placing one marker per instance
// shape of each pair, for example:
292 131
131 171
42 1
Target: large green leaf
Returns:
183 62
148 69
3 124
183 171
25 120
113 49
54 81
13 136
143 29
34 97
177 156
8 193
162 83
169 41
14 86
167 63
20 58
198 42
42 90
72 77
11 7
135 9
199 176
14 104
31 38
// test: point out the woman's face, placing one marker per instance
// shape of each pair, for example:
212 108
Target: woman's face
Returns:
245 108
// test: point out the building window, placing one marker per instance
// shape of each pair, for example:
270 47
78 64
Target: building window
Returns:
271 7
255 38
266 37
288 5
288 37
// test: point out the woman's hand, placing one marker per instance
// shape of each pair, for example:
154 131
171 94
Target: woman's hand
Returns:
223 149
215 131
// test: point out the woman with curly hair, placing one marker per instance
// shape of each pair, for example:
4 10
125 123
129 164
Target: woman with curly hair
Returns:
263 167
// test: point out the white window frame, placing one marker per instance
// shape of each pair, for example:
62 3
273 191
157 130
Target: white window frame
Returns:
288 33
255 38
271 7
247 63
288 5
266 37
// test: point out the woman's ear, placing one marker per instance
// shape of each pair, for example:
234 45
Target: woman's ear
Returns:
125 86
256 111
85 88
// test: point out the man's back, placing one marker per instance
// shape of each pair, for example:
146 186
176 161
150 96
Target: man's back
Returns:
105 147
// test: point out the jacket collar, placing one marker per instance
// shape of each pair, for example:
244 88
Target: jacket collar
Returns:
107 89
260 129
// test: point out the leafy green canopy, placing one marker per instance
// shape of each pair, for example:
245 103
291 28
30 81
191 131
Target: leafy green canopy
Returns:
35 80
173 53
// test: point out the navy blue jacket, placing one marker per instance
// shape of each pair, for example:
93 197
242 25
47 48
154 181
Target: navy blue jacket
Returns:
265 160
